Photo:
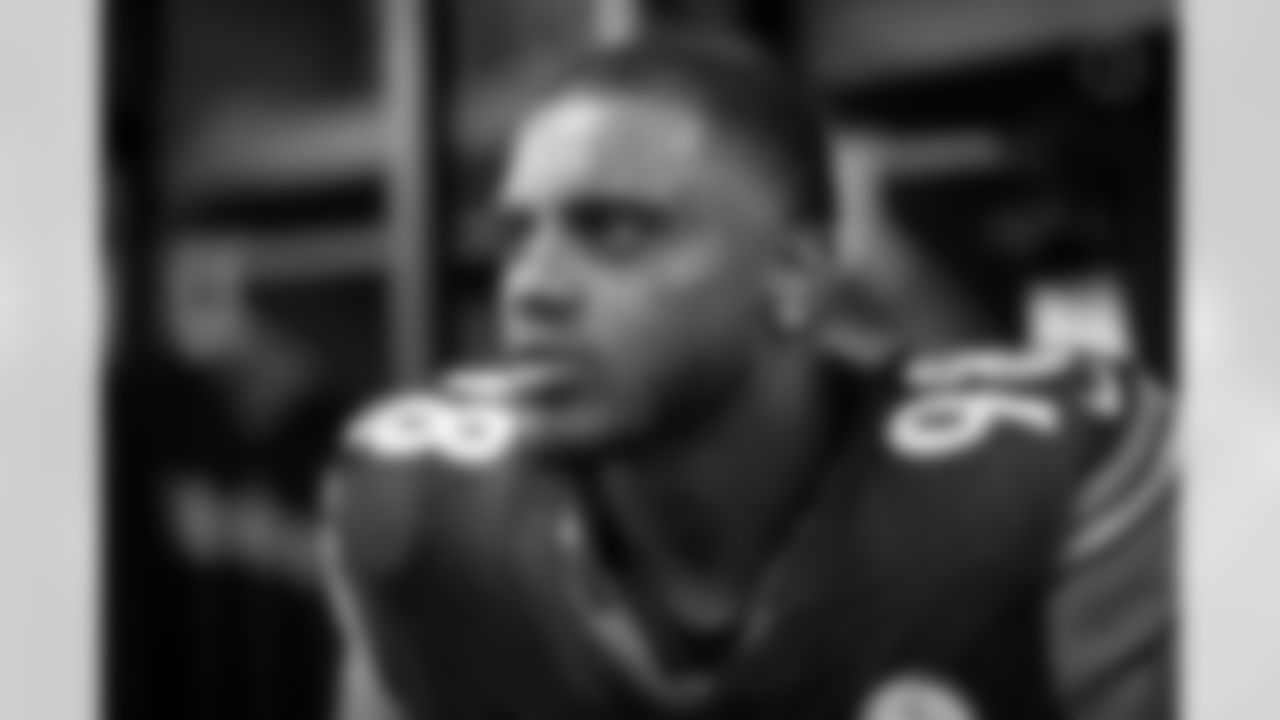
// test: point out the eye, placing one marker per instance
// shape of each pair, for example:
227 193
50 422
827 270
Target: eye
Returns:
617 228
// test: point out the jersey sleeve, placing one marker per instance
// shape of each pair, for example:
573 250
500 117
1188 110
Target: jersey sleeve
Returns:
1113 611
410 469
359 693
411 493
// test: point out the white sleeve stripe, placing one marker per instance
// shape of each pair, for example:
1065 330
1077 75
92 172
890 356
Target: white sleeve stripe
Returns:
1104 529
1145 436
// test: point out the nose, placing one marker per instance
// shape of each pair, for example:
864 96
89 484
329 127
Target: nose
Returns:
540 283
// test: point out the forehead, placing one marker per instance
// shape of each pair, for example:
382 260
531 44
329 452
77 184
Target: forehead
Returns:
610 144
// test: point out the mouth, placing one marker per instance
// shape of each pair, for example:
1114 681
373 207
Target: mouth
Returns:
545 375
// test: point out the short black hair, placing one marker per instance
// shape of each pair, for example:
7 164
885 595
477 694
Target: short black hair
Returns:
737 89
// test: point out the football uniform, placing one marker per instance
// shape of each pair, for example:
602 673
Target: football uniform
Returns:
988 539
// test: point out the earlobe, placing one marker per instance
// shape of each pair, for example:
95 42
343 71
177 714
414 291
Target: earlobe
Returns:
807 283
793 315
798 277
795 302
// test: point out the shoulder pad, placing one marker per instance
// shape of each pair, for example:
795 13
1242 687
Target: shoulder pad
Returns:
960 401
446 425
1099 385
987 364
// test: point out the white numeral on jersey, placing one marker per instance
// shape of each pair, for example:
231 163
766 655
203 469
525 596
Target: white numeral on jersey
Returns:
947 423
403 427
423 425
960 408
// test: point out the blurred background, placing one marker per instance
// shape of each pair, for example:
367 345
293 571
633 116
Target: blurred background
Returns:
291 187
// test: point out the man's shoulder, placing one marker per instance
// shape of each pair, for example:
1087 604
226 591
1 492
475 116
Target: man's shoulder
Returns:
427 462
1024 416
991 466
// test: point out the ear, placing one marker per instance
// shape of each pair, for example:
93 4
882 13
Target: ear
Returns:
800 271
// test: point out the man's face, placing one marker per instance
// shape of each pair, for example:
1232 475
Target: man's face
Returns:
638 250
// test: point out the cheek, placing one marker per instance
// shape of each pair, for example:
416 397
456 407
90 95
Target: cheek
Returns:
712 299
681 312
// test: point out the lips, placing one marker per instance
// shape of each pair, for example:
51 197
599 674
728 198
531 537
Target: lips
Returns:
544 373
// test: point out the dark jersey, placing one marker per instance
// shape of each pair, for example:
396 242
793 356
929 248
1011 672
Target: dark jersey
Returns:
985 542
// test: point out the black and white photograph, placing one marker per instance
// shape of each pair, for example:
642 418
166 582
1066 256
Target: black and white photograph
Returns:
640 359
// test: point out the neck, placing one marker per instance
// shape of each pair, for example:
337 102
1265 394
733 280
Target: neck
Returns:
707 510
